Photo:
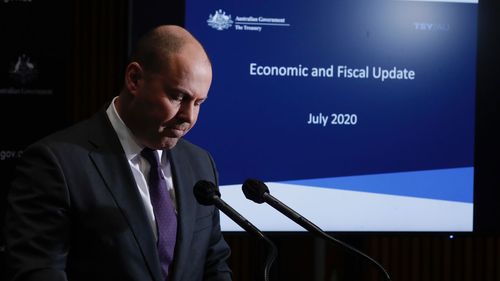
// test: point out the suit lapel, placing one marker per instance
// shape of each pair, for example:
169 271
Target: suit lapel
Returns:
182 177
112 165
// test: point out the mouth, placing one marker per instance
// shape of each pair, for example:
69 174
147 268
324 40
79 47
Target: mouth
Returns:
176 131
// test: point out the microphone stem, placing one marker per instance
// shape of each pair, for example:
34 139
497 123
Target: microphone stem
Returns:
311 227
272 252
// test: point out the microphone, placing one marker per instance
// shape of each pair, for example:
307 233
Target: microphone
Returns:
207 194
258 192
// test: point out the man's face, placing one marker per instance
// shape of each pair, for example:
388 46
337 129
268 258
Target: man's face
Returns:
166 104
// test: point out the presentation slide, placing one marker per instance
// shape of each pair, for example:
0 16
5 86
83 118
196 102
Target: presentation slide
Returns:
357 114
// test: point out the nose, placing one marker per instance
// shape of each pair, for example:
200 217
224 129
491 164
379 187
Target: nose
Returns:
188 113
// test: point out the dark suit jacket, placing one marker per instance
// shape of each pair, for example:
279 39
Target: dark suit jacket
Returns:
75 213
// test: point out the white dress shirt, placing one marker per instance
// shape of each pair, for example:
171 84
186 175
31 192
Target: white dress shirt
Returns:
139 165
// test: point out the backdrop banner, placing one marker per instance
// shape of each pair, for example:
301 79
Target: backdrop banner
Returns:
33 66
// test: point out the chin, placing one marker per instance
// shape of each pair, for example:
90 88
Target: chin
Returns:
162 143
168 143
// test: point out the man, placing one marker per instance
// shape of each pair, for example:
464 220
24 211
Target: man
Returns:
111 198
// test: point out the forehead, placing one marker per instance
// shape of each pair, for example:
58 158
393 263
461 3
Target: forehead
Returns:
187 70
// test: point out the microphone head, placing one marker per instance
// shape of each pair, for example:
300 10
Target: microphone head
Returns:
205 192
254 190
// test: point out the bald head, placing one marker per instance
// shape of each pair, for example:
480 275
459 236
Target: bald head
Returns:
157 46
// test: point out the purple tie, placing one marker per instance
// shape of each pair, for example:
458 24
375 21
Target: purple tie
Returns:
166 220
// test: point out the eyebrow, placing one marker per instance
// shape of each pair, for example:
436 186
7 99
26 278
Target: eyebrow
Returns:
178 90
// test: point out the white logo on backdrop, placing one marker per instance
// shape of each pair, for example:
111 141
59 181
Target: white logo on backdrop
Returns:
220 20
23 70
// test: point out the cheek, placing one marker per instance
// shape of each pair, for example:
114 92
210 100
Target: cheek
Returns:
164 111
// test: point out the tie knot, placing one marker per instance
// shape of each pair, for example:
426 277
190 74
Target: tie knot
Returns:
151 156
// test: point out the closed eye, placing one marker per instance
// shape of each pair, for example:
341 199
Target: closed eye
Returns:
199 102
177 96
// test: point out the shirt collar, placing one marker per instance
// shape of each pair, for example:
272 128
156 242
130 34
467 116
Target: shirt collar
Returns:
127 139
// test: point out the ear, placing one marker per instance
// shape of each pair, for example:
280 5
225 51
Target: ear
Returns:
133 77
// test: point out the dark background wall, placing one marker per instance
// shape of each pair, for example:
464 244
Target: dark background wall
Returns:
99 41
